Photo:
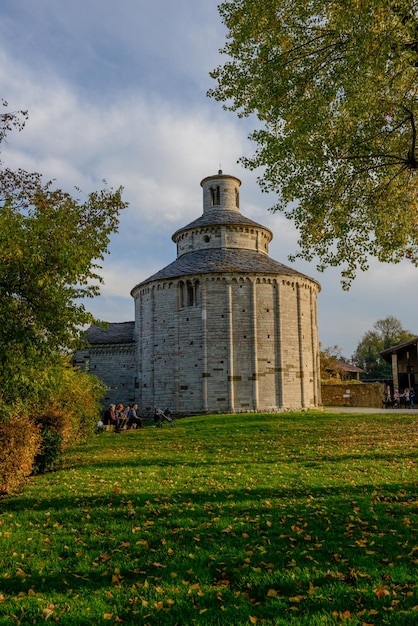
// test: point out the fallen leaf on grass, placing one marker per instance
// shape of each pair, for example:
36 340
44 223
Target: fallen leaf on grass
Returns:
46 613
343 615
381 591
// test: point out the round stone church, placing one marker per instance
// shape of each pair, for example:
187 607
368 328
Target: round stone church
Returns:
224 328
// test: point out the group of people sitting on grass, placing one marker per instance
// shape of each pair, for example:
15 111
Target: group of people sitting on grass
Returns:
118 417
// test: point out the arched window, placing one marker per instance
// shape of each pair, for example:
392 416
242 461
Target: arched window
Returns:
181 289
215 196
188 293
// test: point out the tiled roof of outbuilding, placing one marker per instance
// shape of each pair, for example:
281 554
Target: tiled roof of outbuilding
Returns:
122 332
220 217
223 261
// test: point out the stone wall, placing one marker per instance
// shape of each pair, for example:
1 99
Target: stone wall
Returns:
115 366
361 394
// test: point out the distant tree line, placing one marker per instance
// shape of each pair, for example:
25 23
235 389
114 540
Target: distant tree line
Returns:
385 333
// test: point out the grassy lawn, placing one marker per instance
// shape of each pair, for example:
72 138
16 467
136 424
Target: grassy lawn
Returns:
303 518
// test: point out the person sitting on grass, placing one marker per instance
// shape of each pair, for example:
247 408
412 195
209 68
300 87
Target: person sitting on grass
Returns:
134 421
125 415
109 417
119 418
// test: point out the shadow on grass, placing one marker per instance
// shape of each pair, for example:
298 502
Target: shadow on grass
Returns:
237 543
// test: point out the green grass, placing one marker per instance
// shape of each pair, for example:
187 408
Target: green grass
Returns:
303 518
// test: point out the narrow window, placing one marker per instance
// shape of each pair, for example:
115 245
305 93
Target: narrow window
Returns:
190 293
181 294
215 196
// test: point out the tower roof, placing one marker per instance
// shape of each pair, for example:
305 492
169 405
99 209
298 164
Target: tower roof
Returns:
221 217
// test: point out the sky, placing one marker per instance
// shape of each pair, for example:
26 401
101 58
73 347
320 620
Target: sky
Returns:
116 91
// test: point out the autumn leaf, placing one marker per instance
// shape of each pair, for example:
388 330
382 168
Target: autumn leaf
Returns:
46 613
381 591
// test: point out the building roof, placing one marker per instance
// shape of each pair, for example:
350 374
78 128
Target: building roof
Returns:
400 347
344 366
121 332
224 261
219 217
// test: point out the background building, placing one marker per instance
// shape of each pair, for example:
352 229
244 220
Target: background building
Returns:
404 360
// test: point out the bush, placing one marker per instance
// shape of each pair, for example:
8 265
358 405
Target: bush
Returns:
49 454
80 395
72 406
65 411
20 441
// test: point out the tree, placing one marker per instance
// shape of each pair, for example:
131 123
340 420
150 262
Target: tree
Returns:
329 358
385 333
334 86
51 247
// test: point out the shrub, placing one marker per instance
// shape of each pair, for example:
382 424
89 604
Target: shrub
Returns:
72 406
54 417
65 411
50 451
80 395
20 441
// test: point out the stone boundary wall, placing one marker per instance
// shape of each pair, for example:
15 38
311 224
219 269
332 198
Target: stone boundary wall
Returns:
361 394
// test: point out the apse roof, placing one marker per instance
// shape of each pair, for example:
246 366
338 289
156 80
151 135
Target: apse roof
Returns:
122 332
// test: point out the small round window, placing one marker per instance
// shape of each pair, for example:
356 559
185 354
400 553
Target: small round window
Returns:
206 238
